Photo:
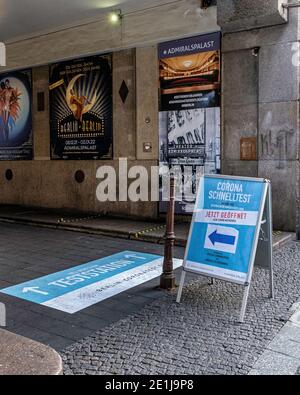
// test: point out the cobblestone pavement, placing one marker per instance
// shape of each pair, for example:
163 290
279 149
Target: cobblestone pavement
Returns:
28 252
201 335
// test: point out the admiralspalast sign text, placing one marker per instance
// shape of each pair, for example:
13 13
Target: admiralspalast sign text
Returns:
189 46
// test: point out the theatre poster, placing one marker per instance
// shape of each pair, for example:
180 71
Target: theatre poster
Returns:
189 113
81 108
16 115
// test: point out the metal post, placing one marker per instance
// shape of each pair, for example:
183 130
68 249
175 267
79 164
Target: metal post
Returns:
270 238
244 303
178 299
167 279
272 289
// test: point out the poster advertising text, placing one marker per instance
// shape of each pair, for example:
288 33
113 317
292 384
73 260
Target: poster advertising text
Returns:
189 119
16 116
189 73
81 108
190 146
224 228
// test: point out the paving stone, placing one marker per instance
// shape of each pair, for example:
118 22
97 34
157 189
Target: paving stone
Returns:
200 336
286 345
274 363
144 330
31 252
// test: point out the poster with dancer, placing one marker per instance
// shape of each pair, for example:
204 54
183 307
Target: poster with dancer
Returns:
81 108
16 116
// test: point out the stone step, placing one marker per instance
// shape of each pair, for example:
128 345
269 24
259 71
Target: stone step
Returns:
22 356
110 226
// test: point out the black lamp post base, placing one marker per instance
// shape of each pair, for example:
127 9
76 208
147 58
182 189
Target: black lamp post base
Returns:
167 281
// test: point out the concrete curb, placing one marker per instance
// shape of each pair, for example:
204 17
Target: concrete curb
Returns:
283 240
82 228
21 356
117 233
282 356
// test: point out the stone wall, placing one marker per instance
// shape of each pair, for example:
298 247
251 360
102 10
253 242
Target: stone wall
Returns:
141 28
50 183
240 15
261 100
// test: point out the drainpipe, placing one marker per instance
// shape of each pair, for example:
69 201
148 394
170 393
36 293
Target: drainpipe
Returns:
288 6
291 5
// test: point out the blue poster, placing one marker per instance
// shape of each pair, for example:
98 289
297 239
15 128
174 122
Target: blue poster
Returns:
224 227
16 116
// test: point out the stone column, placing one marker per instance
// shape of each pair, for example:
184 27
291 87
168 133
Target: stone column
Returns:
40 119
240 15
261 97
147 101
124 99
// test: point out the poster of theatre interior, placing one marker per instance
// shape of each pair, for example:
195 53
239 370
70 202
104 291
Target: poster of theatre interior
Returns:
189 117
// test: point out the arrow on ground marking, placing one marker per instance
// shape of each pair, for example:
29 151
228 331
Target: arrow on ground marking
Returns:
34 289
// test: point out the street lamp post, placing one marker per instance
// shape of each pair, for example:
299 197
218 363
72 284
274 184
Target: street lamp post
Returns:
167 279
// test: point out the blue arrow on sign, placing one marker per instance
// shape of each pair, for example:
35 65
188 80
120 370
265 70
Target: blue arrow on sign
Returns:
216 237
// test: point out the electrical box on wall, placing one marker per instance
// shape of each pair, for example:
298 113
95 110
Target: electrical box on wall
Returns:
248 148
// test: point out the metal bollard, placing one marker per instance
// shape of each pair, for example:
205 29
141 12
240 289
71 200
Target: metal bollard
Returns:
167 279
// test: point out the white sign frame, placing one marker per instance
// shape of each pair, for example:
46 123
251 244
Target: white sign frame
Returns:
265 208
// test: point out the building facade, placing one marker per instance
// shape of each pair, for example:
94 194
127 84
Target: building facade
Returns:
259 109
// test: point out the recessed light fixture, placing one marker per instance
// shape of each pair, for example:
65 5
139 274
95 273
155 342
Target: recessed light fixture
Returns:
115 16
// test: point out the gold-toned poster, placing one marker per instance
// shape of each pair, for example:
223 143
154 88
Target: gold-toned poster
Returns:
81 108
